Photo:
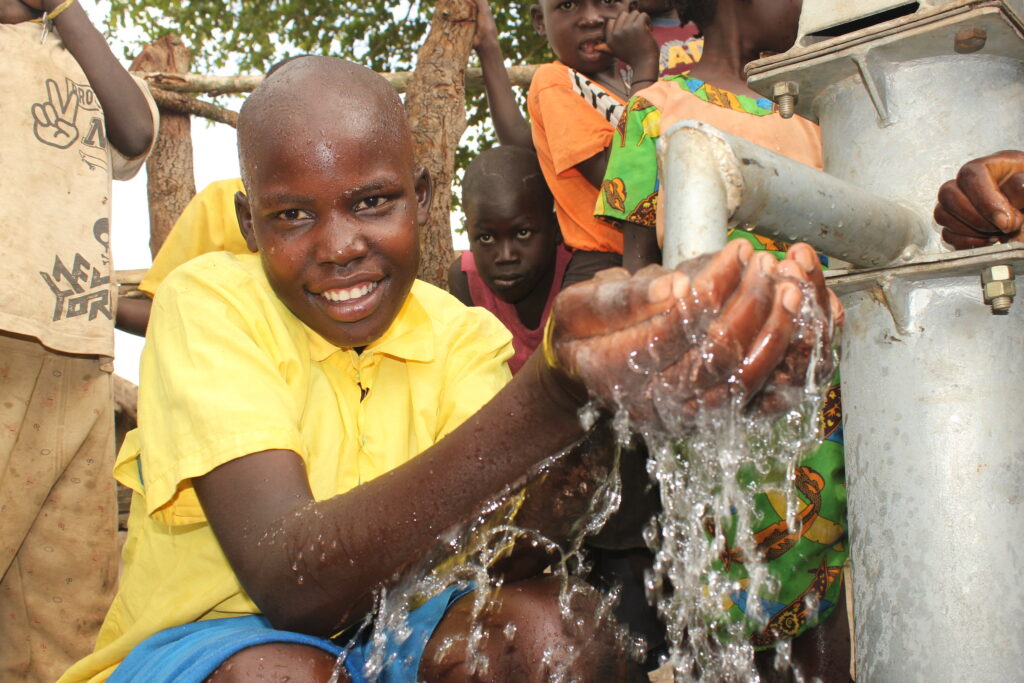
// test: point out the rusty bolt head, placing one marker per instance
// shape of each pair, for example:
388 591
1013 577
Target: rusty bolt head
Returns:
969 40
785 88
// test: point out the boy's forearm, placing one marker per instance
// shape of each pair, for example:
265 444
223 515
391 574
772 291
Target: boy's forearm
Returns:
509 123
129 124
346 547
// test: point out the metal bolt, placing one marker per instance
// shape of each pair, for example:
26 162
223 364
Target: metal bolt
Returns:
997 283
969 40
784 93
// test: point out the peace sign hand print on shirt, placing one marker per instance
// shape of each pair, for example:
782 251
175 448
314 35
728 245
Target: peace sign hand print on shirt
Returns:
55 118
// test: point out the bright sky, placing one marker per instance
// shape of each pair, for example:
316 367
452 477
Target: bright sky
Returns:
215 157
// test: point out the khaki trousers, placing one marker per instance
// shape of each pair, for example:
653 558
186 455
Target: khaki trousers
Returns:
58 514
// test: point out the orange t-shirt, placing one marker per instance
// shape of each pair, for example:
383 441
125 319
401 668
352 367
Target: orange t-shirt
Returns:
573 118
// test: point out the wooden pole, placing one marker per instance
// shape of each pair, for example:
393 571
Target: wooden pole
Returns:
171 183
435 102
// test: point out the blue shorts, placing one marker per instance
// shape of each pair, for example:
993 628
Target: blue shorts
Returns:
190 653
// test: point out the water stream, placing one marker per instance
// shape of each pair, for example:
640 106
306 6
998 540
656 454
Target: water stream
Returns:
706 555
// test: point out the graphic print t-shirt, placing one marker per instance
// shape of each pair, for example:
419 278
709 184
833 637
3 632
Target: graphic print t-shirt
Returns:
55 196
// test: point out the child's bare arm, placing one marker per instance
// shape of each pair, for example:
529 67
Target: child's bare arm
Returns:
133 314
593 168
458 285
640 246
129 124
982 205
312 566
509 122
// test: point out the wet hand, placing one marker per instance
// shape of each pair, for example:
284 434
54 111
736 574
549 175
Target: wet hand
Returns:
628 37
982 206
732 327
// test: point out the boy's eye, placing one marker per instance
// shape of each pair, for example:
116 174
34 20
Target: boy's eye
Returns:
370 203
567 5
293 214
524 233
485 239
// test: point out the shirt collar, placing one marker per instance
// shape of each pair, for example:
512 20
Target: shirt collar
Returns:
404 339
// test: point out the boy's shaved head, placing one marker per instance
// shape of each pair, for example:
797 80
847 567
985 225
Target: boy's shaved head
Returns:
313 93
332 198
504 169
511 224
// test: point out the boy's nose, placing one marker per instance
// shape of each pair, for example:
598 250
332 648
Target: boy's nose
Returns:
506 254
590 15
340 243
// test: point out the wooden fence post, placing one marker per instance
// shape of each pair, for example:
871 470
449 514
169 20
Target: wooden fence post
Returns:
171 183
435 102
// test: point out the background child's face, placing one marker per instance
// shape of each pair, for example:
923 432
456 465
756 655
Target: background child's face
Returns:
513 242
574 27
334 216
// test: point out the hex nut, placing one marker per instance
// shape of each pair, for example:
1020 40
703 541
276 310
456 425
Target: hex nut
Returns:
999 288
995 273
785 88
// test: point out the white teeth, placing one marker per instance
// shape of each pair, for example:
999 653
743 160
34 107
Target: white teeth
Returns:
351 293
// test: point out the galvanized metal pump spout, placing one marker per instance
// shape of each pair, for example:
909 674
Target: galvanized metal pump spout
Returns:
713 181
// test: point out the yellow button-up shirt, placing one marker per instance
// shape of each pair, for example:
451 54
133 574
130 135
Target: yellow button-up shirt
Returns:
227 371
207 224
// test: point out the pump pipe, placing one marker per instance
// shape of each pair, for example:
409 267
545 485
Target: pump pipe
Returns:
713 181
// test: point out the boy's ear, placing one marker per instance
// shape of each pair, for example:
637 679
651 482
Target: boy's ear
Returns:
424 194
244 215
537 16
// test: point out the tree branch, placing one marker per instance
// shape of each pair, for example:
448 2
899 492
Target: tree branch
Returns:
183 104
228 85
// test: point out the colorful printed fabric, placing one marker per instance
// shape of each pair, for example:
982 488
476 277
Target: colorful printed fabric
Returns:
630 188
808 559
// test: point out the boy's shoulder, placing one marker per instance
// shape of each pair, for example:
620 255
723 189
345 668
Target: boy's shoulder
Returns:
447 313
218 273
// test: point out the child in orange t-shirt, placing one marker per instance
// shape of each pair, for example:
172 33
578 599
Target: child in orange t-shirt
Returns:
575 104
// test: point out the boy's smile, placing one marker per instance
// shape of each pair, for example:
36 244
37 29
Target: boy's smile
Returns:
332 205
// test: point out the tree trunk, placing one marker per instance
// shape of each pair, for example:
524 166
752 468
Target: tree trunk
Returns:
435 101
171 183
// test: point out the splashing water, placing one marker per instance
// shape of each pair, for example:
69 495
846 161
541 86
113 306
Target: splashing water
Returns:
708 482
705 550
466 555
